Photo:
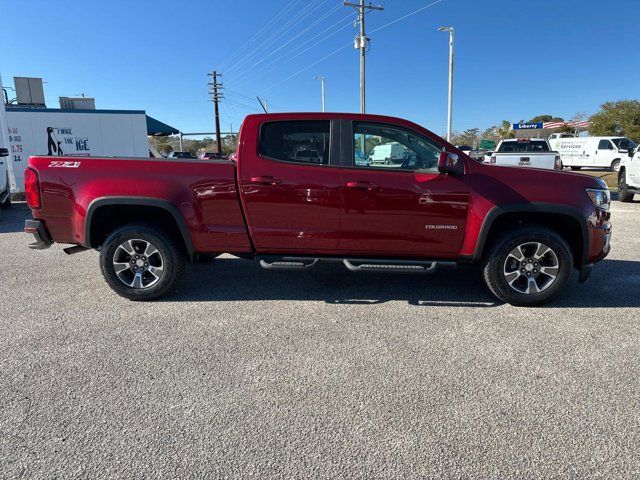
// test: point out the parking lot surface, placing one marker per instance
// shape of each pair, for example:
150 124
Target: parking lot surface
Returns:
245 373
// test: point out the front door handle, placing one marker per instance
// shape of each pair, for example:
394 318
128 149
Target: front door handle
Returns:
361 185
265 180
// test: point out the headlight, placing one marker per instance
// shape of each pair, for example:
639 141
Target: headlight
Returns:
600 198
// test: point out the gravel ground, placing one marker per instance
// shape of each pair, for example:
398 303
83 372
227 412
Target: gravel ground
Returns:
244 373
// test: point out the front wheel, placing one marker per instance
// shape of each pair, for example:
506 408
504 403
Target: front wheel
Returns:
140 262
623 190
529 266
615 165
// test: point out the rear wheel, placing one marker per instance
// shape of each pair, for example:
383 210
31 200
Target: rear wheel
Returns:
576 168
529 266
140 262
623 190
615 165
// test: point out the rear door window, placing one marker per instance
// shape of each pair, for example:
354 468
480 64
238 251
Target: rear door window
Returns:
524 146
301 142
605 145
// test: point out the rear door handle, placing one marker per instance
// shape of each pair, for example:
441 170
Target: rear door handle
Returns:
361 185
265 180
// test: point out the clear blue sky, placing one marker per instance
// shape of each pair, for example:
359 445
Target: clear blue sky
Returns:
514 59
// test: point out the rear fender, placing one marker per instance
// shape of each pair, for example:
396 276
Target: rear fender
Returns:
139 201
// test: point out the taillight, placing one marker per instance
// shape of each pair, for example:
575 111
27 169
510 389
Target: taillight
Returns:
32 189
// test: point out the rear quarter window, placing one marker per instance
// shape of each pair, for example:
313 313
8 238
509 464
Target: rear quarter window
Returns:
296 141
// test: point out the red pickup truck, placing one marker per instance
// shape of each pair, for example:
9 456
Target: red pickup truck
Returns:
374 193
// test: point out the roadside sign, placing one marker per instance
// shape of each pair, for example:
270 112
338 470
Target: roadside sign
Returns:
487 145
527 126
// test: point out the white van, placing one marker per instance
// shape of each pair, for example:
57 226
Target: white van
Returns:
602 152
553 136
388 153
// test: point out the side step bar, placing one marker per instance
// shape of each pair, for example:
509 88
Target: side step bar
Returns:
395 266
389 265
288 264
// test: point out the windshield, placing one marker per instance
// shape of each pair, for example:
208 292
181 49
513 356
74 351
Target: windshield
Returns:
524 146
624 143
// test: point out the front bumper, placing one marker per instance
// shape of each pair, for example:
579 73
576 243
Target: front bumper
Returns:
39 232
600 248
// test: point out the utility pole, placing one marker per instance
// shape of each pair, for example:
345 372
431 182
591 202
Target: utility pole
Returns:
216 96
449 108
324 99
361 43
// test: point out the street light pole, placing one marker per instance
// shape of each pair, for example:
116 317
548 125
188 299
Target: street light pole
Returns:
322 80
449 109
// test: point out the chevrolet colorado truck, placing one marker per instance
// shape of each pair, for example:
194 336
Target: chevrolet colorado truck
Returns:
275 203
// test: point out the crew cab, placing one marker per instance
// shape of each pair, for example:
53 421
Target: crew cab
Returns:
525 152
432 208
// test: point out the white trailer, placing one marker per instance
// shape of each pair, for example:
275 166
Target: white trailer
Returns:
55 132
601 152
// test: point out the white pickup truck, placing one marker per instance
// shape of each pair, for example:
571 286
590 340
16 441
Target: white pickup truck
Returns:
629 175
526 152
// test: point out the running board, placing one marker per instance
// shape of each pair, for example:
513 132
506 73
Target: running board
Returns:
288 265
387 265
396 266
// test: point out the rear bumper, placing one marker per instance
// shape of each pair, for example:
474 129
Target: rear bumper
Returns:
40 234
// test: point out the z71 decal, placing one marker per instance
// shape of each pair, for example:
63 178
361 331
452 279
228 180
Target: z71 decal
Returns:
61 164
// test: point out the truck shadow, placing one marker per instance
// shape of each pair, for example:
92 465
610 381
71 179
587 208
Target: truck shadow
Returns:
614 283
12 219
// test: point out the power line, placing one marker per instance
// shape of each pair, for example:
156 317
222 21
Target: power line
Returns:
406 16
307 67
265 68
348 44
329 13
263 30
292 22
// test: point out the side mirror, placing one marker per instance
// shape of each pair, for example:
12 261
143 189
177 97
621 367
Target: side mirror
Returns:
450 163
631 152
4 152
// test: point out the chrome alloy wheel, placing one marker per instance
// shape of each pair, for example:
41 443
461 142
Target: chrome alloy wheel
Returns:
531 267
138 264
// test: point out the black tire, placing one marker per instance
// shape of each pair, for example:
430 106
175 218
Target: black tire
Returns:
576 168
624 195
169 252
500 257
7 201
615 165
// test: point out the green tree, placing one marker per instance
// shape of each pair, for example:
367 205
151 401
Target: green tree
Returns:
505 130
617 118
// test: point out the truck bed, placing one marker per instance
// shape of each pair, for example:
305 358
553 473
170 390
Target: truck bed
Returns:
203 193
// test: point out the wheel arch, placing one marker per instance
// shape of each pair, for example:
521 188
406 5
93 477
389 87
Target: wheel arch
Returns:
548 215
93 236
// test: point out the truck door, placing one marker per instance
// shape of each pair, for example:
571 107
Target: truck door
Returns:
290 189
404 207
603 156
